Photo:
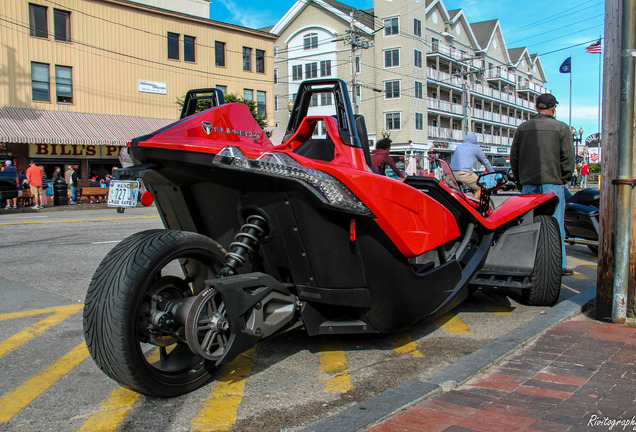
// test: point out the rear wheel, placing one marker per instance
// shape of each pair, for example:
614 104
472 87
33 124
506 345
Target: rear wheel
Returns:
127 330
546 277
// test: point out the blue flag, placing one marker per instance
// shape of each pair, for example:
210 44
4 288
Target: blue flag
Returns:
566 66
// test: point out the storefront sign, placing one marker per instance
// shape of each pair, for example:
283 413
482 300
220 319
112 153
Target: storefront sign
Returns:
440 145
74 151
502 150
153 87
486 149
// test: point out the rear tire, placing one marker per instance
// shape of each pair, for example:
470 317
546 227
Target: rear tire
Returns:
545 280
122 298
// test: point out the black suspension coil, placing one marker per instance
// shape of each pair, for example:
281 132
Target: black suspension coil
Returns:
244 245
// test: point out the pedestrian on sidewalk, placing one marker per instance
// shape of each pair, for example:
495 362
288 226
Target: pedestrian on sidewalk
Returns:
45 187
34 175
585 171
73 184
9 173
544 144
575 175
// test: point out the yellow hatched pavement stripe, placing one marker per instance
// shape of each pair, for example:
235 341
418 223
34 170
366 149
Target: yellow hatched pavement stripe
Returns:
112 412
22 337
13 315
220 410
12 403
452 324
582 262
403 344
334 363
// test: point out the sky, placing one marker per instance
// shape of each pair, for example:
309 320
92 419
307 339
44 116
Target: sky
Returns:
555 30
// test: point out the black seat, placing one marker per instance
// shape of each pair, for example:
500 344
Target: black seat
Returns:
318 148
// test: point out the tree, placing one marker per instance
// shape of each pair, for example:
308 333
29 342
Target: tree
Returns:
229 98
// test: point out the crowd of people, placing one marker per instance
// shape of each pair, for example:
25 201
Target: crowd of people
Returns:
36 181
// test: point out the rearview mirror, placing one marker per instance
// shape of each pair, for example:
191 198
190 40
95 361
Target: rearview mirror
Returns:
491 180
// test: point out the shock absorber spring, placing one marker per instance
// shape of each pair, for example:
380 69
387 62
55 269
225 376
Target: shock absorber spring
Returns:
244 245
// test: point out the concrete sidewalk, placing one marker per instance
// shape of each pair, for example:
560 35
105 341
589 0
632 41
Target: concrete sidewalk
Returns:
579 375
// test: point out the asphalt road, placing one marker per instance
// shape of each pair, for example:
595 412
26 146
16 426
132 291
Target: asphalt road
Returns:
49 384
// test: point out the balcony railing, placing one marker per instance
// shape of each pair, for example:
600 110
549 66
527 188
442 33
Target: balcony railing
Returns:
441 48
530 86
442 105
499 74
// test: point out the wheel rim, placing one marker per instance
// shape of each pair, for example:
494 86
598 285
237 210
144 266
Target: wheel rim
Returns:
167 356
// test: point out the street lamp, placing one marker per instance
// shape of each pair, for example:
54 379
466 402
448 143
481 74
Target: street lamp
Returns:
577 140
386 133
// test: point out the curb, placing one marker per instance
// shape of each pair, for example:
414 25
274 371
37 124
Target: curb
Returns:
369 412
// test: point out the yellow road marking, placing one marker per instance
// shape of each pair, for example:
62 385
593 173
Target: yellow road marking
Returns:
20 338
77 220
452 324
582 262
12 403
112 412
334 363
403 344
220 410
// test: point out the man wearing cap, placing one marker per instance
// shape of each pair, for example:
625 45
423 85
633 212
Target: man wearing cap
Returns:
542 159
34 175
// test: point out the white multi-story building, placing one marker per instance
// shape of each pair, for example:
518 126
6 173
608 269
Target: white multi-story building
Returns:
427 76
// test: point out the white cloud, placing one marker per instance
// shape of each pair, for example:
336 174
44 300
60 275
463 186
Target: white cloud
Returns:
251 18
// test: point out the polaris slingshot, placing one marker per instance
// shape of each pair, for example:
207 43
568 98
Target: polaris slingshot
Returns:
260 239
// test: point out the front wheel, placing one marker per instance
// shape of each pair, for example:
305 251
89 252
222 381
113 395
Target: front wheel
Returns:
124 306
545 281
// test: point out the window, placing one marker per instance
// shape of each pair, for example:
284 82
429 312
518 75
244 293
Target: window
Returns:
314 100
310 40
434 45
455 126
434 94
63 83
311 70
325 99
325 68
248 94
276 76
358 64
417 27
297 72
40 81
219 53
419 121
222 88
37 21
276 52
62 25
419 90
391 26
261 107
173 46
392 57
275 102
478 105
392 120
391 89
188 48
260 61
247 59
434 123
417 60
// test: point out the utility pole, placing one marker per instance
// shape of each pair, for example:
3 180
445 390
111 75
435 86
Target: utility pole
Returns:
465 73
616 276
357 42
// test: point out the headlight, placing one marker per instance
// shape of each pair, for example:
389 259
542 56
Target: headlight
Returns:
330 190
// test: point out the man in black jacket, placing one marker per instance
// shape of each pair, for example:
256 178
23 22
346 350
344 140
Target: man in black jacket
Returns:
542 158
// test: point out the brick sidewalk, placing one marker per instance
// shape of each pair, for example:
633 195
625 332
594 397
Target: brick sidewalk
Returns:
579 375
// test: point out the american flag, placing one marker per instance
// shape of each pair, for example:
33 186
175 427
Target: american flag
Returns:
595 48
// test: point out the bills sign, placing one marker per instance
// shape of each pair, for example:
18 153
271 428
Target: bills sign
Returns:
74 151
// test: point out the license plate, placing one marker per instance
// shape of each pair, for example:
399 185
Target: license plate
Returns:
123 193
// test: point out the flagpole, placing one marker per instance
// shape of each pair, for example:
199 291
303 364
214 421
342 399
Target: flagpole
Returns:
570 118
598 124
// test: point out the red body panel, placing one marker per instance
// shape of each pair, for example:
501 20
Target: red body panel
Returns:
415 222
